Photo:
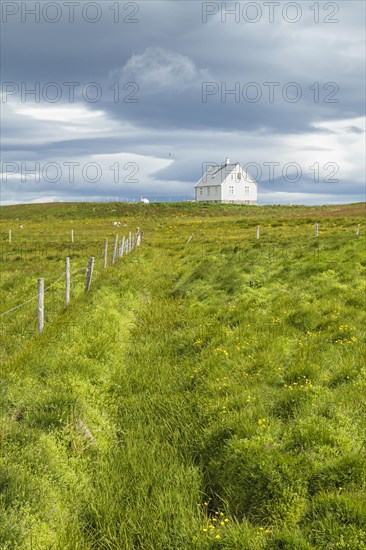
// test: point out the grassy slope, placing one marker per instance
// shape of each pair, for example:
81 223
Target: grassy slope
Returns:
216 382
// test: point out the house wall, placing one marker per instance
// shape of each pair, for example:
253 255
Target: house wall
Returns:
239 189
208 193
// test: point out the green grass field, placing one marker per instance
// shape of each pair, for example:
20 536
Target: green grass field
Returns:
208 395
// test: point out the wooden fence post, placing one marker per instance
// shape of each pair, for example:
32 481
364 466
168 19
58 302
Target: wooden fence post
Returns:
129 241
72 235
119 253
358 229
40 305
89 273
105 254
67 273
316 230
9 235
257 232
138 237
115 249
122 249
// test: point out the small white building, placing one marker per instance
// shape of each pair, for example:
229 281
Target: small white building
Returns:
226 183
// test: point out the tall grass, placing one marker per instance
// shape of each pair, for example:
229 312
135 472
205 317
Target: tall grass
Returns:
203 395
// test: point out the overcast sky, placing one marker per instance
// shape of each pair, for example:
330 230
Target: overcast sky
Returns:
134 99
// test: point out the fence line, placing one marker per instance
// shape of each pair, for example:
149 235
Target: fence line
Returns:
67 275
105 253
33 297
54 282
115 249
67 281
316 228
89 273
40 305
125 247
20 305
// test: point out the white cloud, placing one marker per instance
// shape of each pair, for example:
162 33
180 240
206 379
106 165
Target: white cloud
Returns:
68 114
44 200
342 146
95 175
158 68
40 123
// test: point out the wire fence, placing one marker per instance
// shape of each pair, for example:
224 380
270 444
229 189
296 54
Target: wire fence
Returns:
25 319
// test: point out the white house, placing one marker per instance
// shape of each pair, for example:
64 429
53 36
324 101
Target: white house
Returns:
226 183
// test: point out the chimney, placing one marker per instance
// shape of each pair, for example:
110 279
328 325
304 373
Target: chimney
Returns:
227 161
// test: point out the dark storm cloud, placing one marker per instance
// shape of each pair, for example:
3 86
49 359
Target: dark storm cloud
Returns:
183 106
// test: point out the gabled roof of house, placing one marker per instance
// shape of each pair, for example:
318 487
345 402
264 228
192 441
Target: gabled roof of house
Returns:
216 174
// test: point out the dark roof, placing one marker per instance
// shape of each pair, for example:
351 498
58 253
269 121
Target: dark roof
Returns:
213 175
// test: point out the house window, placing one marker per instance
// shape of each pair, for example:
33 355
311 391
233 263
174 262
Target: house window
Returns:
246 189
232 176
239 176
208 191
231 189
201 190
217 190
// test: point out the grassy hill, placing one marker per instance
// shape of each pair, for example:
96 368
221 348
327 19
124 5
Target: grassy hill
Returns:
202 395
